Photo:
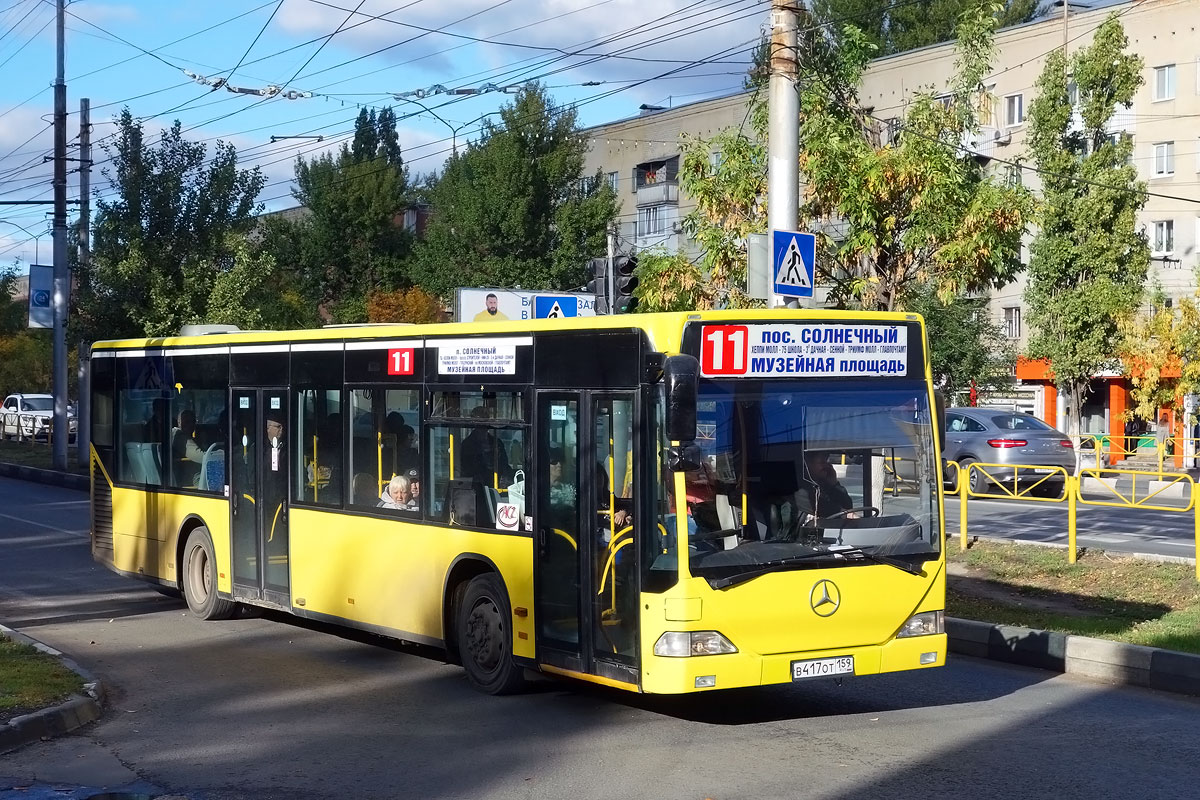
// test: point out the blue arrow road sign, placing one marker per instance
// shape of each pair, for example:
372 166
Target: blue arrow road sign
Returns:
554 306
794 261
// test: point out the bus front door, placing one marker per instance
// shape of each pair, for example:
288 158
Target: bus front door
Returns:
258 472
586 574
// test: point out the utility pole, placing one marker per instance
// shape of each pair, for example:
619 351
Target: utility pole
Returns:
61 433
84 414
783 138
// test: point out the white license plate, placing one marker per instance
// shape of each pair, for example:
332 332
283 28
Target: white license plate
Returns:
1045 471
822 667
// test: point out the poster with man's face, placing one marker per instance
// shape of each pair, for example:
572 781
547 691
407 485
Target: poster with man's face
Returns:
500 305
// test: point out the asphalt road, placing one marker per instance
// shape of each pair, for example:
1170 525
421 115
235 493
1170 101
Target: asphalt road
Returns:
258 708
1125 530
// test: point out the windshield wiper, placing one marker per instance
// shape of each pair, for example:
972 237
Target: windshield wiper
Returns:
774 566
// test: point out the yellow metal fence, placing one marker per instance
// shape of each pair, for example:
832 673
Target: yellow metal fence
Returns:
1146 490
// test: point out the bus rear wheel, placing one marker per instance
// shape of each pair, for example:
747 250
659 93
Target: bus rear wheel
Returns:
200 578
484 634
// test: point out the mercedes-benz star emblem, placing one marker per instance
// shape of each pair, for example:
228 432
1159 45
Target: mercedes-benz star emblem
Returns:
825 598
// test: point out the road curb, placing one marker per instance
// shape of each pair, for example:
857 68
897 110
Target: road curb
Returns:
75 712
67 480
1098 659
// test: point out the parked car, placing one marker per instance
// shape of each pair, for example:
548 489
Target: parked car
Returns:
31 416
994 436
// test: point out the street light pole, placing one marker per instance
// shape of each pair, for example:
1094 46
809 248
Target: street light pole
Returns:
453 130
59 361
37 239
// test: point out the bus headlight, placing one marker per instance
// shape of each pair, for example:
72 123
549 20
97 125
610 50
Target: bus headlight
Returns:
926 623
680 644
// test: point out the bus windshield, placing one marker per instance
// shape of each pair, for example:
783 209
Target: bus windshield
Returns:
799 473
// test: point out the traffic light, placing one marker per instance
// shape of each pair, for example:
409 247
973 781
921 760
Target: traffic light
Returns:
598 285
624 282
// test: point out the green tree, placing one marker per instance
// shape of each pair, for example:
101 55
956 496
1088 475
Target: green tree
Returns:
352 241
897 27
966 348
161 246
13 314
1088 262
902 206
513 208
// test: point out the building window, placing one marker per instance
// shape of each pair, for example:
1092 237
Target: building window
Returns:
1164 83
714 161
1164 159
650 222
1014 110
612 180
1164 237
1012 322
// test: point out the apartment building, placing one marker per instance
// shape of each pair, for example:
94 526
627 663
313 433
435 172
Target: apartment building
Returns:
1164 122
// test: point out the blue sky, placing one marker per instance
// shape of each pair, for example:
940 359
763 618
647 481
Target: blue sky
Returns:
418 45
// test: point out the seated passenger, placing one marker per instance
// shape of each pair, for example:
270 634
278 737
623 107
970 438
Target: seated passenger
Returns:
186 455
363 489
397 495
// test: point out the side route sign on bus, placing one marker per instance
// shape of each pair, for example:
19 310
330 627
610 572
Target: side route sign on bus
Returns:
804 350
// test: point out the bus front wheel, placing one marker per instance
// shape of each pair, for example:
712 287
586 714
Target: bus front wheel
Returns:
200 578
484 633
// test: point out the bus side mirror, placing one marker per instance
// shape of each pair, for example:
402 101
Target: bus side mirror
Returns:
939 402
682 375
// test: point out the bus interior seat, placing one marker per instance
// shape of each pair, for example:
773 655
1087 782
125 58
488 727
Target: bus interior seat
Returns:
469 503
727 519
150 462
133 463
212 468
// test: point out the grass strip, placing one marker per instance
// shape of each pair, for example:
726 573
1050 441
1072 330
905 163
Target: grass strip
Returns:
31 679
37 454
1103 595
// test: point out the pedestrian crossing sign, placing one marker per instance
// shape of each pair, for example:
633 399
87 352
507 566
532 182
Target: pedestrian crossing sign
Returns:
555 306
794 262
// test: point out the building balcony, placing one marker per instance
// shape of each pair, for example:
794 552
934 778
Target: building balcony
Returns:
654 194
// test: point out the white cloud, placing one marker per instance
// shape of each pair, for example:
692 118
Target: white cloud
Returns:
669 33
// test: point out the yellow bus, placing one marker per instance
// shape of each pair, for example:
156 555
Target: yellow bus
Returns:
662 503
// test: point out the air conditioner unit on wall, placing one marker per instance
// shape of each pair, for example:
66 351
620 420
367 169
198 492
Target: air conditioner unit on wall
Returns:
676 227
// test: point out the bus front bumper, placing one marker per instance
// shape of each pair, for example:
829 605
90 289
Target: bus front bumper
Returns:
666 675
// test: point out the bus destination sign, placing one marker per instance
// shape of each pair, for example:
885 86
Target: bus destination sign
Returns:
808 350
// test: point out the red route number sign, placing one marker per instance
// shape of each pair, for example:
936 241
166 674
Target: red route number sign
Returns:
400 361
723 350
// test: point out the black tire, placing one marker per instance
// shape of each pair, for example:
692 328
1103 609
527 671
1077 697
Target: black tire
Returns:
200 578
484 634
977 482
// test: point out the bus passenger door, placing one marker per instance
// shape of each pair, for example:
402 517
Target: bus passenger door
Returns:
586 576
258 473
614 595
557 573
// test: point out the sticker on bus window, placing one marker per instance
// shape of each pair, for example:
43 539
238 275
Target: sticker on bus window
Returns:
805 350
508 517
400 361
275 402
243 402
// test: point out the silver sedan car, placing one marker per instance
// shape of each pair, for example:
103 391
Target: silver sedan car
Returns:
993 436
